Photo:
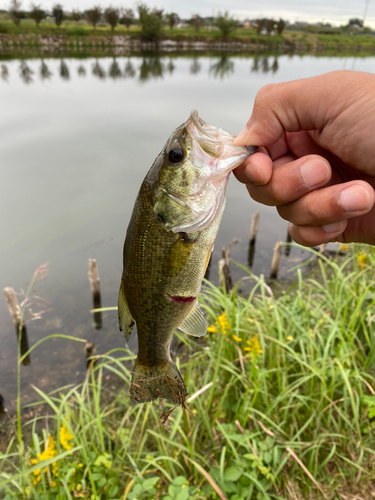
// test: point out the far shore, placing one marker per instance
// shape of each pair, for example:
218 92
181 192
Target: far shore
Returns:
81 38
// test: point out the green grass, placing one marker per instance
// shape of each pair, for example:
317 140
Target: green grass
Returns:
284 413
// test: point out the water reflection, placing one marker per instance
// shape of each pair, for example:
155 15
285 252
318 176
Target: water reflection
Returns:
263 64
275 65
25 73
81 70
151 67
4 72
129 71
2 410
195 66
98 71
170 66
223 67
24 345
114 70
44 72
64 70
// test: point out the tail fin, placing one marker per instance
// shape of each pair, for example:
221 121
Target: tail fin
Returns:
163 381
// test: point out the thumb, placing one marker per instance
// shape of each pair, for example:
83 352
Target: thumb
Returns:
305 104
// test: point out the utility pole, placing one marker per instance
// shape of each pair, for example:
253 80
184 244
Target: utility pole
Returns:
365 12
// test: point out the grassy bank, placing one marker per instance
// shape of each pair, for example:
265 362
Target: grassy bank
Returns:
26 33
281 401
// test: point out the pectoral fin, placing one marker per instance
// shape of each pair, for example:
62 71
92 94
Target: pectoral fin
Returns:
125 319
195 323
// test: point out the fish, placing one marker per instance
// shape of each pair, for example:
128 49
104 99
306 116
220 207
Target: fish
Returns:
167 248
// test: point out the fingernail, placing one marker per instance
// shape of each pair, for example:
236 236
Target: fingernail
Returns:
336 227
314 173
354 199
241 136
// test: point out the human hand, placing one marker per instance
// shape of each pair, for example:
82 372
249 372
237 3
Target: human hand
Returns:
316 161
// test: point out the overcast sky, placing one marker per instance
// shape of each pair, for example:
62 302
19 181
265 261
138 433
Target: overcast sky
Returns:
333 11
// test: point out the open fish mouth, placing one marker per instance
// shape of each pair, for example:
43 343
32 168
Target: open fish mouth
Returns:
208 131
217 143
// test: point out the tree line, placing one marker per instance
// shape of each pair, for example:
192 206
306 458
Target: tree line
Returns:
150 20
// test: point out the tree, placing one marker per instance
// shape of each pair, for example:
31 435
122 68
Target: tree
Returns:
150 23
158 12
93 15
172 19
112 15
197 22
355 21
225 23
280 25
36 13
75 15
260 25
270 26
127 17
58 14
15 12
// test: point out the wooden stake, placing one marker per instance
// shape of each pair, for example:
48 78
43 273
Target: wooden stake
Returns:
90 353
254 226
225 277
16 314
94 277
288 246
253 235
276 260
95 289
13 306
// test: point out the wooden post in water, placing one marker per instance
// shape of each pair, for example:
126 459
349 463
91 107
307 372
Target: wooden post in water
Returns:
90 354
16 314
253 235
225 277
208 269
276 260
2 410
287 246
94 280
322 248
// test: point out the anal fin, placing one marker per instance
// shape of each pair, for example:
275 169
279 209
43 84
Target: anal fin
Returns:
195 323
125 319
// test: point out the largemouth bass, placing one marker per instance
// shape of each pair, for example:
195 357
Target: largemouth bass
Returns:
168 245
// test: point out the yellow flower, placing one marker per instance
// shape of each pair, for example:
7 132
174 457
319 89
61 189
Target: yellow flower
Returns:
362 260
222 323
290 338
49 452
344 247
254 346
65 437
237 339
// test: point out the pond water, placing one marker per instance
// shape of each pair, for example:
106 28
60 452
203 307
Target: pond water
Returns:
77 138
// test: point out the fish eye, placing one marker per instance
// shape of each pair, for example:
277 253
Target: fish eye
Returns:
176 155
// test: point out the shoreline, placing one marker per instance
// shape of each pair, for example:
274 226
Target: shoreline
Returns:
118 45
